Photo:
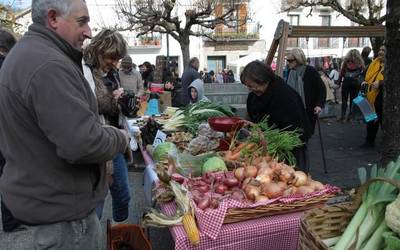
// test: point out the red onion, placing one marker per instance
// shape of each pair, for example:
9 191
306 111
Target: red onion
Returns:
202 189
221 189
204 203
231 181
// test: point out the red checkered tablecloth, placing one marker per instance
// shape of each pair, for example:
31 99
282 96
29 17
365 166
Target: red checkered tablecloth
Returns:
210 221
279 232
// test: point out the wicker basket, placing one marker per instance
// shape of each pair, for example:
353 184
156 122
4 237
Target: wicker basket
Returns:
327 222
241 214
322 223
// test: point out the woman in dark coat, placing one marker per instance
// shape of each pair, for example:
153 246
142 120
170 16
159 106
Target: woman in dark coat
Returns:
271 97
308 84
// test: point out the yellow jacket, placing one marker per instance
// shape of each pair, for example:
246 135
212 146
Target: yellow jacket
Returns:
374 73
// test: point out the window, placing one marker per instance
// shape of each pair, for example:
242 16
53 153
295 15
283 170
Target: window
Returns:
324 42
293 20
216 63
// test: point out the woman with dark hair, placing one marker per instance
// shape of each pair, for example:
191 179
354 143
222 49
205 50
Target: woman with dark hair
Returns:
147 74
101 56
270 97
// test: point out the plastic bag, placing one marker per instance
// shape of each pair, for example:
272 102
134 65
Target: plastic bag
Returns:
190 165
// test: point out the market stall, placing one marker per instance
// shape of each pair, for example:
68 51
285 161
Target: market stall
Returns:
221 203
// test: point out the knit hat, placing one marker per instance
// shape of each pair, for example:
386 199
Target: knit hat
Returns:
127 60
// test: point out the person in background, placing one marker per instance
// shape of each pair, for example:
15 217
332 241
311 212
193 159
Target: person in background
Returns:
231 76
196 91
307 83
334 76
102 56
365 56
374 78
207 77
212 76
130 77
270 97
349 79
55 148
147 74
225 75
189 75
10 224
220 77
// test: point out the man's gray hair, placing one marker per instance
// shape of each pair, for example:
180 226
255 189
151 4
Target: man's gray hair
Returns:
41 7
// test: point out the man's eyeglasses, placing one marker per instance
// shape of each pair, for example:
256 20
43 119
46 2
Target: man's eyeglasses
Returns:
290 60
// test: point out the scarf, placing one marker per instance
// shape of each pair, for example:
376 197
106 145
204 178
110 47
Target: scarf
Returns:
374 73
295 80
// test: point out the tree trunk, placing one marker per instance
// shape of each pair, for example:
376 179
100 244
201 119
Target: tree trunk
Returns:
376 43
391 97
185 50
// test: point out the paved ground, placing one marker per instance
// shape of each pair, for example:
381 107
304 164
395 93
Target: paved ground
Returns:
343 156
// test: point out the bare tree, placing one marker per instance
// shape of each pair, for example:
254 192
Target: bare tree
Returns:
180 20
391 94
362 12
5 17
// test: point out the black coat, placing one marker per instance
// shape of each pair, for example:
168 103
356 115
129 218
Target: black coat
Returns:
282 105
314 93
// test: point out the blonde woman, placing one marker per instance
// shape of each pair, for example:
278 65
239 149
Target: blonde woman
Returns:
349 79
102 56
308 84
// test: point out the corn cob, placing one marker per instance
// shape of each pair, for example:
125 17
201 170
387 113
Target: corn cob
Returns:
191 229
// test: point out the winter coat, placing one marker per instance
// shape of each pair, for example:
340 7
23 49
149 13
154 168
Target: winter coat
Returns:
133 81
283 106
51 137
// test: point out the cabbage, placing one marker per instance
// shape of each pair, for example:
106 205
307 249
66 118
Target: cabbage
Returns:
161 151
214 164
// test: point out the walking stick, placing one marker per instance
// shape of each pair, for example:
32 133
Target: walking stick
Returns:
322 145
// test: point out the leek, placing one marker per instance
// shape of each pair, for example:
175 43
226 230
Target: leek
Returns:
369 216
376 241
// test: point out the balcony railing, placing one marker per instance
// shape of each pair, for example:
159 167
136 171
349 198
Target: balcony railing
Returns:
248 31
144 41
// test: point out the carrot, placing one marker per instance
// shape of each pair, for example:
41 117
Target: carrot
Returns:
231 156
240 147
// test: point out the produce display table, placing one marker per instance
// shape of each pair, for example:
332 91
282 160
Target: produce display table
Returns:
279 232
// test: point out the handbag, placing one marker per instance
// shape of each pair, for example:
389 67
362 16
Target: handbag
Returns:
129 104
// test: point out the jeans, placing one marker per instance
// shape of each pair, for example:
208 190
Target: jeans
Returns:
349 90
8 220
83 234
119 190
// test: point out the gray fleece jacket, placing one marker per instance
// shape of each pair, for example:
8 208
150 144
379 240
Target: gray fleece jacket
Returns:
198 84
50 134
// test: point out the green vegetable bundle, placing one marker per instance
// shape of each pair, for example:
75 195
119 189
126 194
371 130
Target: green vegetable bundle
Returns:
190 117
367 226
279 142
